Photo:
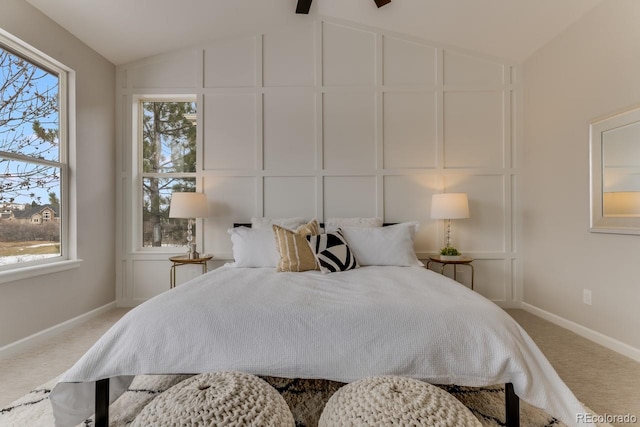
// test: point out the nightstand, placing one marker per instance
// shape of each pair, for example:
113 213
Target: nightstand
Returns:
463 260
179 260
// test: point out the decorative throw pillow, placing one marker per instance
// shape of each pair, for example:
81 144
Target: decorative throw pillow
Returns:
332 252
295 253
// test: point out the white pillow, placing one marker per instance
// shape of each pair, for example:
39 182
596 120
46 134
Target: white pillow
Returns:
390 245
332 224
254 247
261 222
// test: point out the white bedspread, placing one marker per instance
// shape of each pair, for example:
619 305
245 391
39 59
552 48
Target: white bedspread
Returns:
343 326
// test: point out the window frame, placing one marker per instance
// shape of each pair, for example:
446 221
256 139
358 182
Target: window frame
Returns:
137 203
66 127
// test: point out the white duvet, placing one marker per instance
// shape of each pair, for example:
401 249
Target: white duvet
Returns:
343 326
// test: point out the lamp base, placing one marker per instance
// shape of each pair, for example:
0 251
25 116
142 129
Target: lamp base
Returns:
192 252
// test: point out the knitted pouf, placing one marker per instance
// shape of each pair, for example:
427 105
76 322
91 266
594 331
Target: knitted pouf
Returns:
217 399
395 401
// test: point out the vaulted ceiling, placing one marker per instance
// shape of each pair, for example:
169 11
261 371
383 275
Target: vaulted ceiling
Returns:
126 30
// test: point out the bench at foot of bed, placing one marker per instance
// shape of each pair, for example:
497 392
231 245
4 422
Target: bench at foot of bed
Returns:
512 405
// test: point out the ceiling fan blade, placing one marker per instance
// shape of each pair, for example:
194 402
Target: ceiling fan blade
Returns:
381 3
304 6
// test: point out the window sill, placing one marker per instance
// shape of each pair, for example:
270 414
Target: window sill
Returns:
38 270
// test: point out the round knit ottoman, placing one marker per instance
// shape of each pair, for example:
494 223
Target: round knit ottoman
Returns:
217 399
395 401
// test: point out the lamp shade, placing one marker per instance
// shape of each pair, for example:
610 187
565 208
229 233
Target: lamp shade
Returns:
449 206
189 205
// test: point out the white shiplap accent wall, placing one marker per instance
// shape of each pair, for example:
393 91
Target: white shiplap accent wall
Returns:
326 118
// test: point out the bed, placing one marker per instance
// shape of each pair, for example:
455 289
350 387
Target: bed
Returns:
371 320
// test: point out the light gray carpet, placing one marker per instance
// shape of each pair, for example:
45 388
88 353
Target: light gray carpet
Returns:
606 381
22 372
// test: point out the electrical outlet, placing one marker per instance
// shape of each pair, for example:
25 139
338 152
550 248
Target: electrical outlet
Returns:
586 296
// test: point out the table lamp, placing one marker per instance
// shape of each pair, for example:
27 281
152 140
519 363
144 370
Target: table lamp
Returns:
189 205
449 206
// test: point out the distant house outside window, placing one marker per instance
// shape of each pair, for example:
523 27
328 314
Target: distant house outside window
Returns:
33 156
167 143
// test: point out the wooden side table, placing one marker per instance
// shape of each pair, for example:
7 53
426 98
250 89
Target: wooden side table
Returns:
463 260
184 260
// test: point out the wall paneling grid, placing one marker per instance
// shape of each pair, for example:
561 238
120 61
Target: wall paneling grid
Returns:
328 118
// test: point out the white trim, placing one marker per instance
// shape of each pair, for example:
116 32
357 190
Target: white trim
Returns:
138 176
583 331
599 223
66 160
19 273
39 337
24 48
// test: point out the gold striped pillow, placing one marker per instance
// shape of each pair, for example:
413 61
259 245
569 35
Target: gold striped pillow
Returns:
295 253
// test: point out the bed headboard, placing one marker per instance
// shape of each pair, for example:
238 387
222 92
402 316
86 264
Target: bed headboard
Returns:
248 224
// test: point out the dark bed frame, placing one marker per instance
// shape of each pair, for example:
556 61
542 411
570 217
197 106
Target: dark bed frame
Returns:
511 401
321 224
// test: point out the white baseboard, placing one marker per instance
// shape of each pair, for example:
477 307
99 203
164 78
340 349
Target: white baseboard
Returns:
590 334
39 337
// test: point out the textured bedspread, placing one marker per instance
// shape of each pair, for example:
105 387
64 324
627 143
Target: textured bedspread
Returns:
343 326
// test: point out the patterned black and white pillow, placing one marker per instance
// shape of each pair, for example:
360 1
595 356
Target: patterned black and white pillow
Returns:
332 252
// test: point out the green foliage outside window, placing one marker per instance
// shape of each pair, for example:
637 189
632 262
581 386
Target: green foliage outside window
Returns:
168 154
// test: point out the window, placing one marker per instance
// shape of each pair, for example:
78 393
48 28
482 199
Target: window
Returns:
33 156
167 136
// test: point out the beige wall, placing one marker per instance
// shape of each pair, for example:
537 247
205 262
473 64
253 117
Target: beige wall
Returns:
592 69
31 305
